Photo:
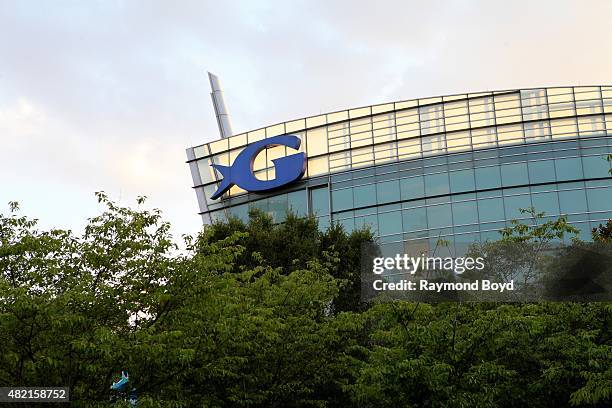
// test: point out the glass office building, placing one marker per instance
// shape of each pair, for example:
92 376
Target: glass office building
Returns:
455 167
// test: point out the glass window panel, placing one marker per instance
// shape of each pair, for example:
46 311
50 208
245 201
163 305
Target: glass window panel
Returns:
560 95
600 199
409 148
359 112
568 168
573 201
436 184
507 107
319 201
414 219
295 125
240 211
434 144
561 128
388 191
465 213
368 221
558 110
514 174
591 126
361 125
316 141
277 207
297 202
316 121
206 171
537 131
348 224
491 209
256 135
607 105
462 180
317 166
275 130
337 116
513 205
458 141
595 166
412 188
483 138
340 161
385 152
261 205
510 134
363 156
541 171
364 196
432 119
439 216
384 135
218 146
338 135
342 199
237 141
361 139
200 151
382 108
546 202
323 223
456 115
487 177
390 223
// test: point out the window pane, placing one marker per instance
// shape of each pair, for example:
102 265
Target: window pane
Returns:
277 207
514 203
241 212
462 180
412 188
568 169
348 224
390 223
296 202
342 199
465 213
491 209
369 221
439 216
364 195
414 219
572 201
487 177
436 184
514 174
319 200
600 199
595 166
388 191
316 141
546 202
541 171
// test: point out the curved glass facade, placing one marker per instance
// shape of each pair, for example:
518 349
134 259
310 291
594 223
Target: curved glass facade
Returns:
453 167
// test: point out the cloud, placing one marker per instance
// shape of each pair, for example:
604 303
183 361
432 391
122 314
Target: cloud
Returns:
107 95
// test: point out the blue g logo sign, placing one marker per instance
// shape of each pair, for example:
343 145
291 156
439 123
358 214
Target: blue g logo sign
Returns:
288 169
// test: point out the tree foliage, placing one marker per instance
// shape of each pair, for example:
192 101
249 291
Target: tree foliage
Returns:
260 314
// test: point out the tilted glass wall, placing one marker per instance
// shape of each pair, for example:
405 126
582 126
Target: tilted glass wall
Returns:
457 166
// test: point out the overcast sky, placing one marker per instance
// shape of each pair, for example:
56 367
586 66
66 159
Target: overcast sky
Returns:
106 95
